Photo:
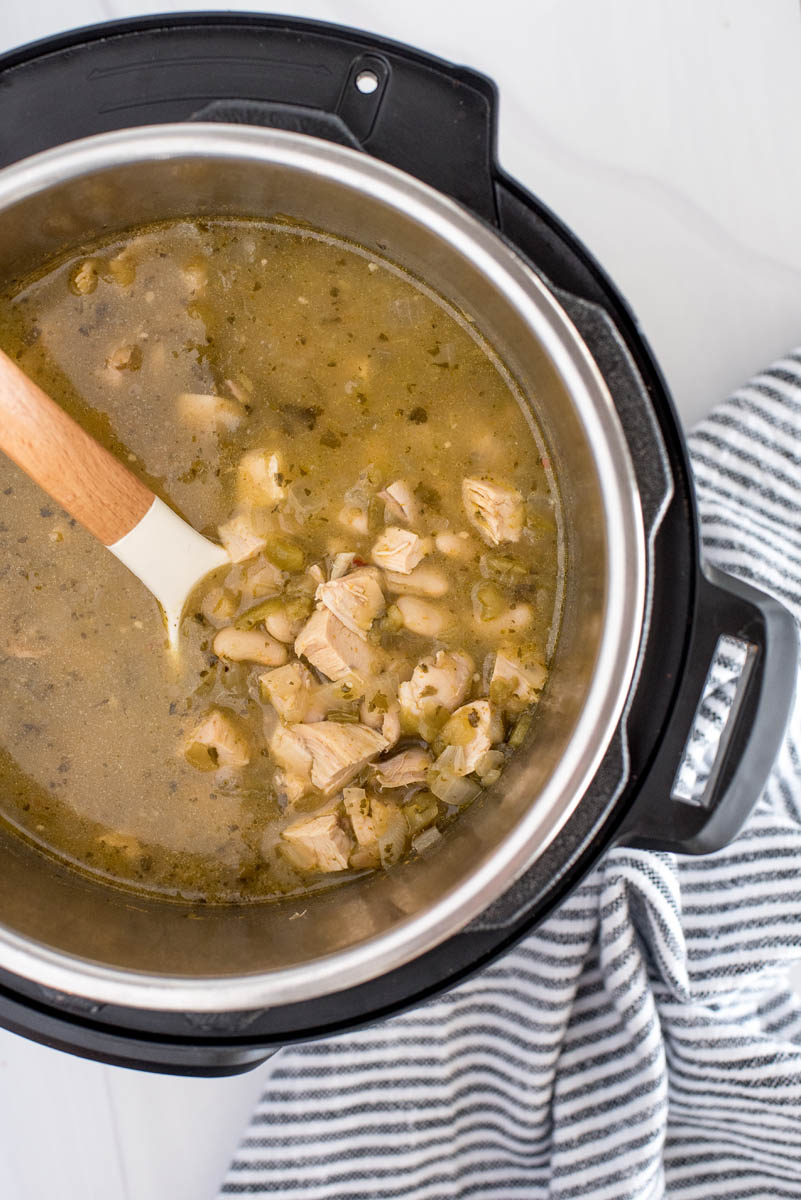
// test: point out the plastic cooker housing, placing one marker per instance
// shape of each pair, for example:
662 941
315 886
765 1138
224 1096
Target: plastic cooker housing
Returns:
84 968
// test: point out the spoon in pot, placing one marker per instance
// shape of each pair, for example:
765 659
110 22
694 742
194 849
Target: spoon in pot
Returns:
169 556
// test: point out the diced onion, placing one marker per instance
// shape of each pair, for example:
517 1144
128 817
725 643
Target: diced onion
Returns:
489 763
425 840
452 789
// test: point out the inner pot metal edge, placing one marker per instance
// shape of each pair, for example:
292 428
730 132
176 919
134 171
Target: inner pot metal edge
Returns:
624 586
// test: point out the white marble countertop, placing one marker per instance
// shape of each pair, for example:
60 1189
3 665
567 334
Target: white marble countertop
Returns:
663 133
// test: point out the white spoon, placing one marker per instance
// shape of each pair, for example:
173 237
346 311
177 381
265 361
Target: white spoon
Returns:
169 556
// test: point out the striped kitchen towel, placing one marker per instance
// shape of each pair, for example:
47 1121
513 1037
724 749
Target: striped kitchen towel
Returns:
644 1041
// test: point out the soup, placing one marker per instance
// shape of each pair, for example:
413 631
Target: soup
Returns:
376 649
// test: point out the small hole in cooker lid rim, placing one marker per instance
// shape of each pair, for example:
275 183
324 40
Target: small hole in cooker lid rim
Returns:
366 82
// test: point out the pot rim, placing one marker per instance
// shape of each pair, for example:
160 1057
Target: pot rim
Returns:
625 585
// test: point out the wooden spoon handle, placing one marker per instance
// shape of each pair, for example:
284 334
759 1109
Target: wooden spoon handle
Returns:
79 473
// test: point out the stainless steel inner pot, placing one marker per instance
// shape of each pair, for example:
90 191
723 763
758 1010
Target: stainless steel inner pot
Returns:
76 935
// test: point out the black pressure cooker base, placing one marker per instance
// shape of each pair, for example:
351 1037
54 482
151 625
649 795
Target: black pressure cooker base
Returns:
437 122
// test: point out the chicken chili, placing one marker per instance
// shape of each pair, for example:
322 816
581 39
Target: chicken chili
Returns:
377 646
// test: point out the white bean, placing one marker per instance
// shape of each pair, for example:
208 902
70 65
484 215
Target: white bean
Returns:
249 645
514 620
420 616
422 581
455 545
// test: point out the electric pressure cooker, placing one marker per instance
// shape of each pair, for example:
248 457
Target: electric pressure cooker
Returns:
395 149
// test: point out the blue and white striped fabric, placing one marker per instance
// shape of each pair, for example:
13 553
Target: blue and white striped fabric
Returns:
644 1042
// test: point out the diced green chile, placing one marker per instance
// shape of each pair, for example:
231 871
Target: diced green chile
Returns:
490 600
285 554
520 729
296 608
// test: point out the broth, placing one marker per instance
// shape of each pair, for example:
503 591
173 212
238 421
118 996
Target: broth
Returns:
289 392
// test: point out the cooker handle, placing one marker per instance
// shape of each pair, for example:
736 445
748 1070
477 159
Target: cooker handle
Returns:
668 813
429 118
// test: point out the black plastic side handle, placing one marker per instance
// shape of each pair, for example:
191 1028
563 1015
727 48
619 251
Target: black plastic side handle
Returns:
659 819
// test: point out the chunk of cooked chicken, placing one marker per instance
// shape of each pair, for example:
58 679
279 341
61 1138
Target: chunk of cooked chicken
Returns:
338 751
298 855
324 838
289 690
249 645
410 766
379 707
438 685
358 807
339 697
216 742
469 733
495 509
516 683
391 724
422 581
399 550
240 539
341 563
401 502
380 828
259 479
356 599
260 579
287 749
209 414
334 649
